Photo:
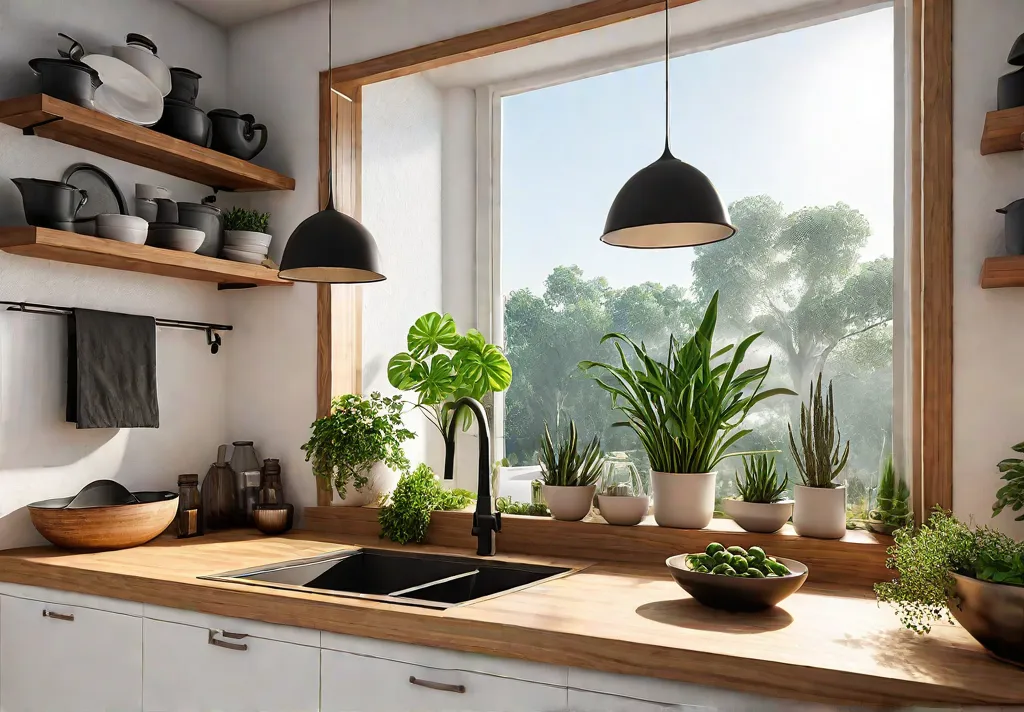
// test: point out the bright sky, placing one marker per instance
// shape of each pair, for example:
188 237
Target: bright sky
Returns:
805 117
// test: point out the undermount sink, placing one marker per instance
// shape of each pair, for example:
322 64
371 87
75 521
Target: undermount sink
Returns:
428 580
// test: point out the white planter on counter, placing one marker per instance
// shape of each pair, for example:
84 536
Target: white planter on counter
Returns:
623 511
759 517
569 504
381 480
820 512
683 501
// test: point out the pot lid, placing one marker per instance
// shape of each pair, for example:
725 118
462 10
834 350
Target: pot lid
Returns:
1011 206
1016 57
134 39
226 113
104 195
186 72
39 62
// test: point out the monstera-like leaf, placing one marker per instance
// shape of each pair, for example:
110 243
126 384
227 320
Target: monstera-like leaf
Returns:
481 367
431 332
400 371
434 381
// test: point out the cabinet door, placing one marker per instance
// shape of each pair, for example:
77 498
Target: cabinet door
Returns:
354 683
582 701
62 657
198 669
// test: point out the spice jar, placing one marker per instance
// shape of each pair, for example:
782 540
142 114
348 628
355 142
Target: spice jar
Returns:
190 508
271 487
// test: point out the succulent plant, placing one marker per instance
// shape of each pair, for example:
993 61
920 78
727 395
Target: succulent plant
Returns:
760 483
818 458
566 466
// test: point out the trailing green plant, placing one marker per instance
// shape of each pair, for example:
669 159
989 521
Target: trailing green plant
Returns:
565 465
760 483
249 220
405 516
442 366
926 559
818 458
357 433
892 503
687 411
506 505
1012 493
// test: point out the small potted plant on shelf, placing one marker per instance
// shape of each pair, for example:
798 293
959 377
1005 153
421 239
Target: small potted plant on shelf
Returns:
892 503
687 411
622 497
245 235
359 445
570 476
820 503
762 505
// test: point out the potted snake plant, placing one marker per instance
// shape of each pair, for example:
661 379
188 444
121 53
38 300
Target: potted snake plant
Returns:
762 505
569 475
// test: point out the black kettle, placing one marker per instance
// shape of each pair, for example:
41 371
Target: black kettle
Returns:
235 134
1014 213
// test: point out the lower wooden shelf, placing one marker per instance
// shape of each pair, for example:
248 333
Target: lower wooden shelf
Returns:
64 246
999 272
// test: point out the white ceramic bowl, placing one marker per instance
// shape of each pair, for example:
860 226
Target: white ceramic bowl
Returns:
237 256
147 63
240 238
123 228
569 504
151 192
175 237
126 221
757 517
623 511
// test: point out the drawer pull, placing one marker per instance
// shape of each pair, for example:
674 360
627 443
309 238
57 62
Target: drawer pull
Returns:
59 616
442 686
214 640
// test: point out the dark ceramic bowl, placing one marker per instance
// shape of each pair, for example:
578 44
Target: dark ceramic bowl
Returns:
184 121
991 612
66 79
273 518
731 593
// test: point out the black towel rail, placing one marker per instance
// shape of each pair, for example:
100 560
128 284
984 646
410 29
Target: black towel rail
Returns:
213 339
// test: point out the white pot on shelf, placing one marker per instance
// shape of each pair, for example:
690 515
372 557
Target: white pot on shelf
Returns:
623 511
820 512
569 504
683 501
381 480
759 517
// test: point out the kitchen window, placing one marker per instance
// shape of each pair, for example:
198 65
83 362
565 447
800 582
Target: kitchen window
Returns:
801 131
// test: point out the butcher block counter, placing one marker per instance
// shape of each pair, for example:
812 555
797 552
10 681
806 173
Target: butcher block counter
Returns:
823 644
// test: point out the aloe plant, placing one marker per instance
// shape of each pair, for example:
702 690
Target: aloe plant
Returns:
760 483
817 458
565 465
687 411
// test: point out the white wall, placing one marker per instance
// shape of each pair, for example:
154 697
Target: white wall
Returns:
41 456
988 397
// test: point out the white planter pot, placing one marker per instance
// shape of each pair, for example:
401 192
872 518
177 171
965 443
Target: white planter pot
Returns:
820 512
569 504
683 501
623 511
759 517
381 480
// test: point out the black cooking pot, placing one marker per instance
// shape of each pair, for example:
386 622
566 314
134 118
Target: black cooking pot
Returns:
184 85
183 120
207 218
235 134
1011 90
1014 213
49 203
66 79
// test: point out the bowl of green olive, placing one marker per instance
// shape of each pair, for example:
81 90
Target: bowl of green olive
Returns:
737 579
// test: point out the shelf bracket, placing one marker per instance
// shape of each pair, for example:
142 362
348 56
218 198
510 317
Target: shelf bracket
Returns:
31 130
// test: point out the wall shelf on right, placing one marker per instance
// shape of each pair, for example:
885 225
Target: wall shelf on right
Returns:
999 272
1003 131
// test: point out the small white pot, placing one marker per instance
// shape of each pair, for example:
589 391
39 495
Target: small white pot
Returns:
381 480
569 504
623 511
757 516
247 240
683 501
820 512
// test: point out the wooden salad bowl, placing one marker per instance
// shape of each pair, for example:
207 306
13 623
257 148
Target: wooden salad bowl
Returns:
117 526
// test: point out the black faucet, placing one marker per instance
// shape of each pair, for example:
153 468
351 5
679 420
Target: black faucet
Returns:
486 523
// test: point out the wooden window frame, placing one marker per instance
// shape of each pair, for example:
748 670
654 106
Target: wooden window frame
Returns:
930 140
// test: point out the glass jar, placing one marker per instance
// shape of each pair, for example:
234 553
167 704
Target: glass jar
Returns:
190 507
620 477
220 494
271 487
246 465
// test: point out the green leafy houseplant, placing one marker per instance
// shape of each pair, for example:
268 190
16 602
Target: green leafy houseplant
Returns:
760 483
405 517
818 458
442 366
1012 493
248 220
506 505
358 433
892 504
565 465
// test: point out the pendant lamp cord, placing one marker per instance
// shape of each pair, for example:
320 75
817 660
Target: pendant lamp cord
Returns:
330 104
667 55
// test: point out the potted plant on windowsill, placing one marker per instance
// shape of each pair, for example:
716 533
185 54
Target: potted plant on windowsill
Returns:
819 509
762 505
358 447
569 476
892 504
687 412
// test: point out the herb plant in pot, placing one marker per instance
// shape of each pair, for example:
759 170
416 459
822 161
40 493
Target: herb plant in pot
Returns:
762 505
819 509
569 476
245 231
687 412
358 447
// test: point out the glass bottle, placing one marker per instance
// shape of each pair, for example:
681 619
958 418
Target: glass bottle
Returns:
190 508
220 494
246 466
271 487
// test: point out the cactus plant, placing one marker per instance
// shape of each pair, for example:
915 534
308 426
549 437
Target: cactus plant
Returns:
818 458
566 466
760 483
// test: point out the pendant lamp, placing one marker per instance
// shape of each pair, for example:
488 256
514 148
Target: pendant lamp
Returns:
331 247
668 203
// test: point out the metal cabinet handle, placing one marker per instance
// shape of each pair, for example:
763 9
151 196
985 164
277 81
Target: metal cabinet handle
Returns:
213 640
442 686
59 616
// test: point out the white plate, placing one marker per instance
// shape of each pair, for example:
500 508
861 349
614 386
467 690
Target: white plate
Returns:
126 93
248 257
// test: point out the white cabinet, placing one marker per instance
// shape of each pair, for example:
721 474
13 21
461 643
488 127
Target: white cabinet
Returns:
584 701
356 683
56 656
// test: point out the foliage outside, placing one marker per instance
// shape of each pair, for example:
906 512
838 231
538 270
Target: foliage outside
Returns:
358 433
892 508
249 220
1012 493
760 483
686 411
817 458
405 517
507 505
565 465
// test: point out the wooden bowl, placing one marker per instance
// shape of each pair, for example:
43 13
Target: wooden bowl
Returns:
732 593
97 528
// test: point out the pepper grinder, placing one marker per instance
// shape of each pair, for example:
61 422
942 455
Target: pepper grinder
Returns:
246 465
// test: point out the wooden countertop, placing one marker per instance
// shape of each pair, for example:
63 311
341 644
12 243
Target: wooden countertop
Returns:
822 644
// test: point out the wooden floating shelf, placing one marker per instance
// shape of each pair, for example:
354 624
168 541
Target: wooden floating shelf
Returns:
999 272
1003 131
63 246
76 126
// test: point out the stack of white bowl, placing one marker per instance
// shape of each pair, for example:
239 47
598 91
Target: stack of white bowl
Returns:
246 246
123 228
175 237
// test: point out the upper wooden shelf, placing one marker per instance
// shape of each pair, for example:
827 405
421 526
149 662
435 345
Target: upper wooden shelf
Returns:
1003 131
999 272
98 252
76 126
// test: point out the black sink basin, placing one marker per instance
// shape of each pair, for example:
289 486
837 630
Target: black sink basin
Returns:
413 579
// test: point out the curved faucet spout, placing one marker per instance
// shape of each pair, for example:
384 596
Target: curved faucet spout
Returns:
486 522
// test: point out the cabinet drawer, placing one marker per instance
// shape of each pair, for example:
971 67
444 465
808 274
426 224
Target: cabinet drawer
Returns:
582 701
188 669
61 657
354 683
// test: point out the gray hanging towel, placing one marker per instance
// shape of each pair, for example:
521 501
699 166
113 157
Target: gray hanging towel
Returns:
112 370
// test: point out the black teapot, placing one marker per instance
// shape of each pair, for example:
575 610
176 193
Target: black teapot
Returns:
235 134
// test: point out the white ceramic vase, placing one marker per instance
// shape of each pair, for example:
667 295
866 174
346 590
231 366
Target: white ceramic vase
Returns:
759 517
820 512
569 504
381 480
683 501
623 511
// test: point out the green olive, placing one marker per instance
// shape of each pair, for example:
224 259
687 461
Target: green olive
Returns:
737 551
713 548
754 573
756 553
740 564
724 570
722 557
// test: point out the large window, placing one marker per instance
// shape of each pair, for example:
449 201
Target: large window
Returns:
797 132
